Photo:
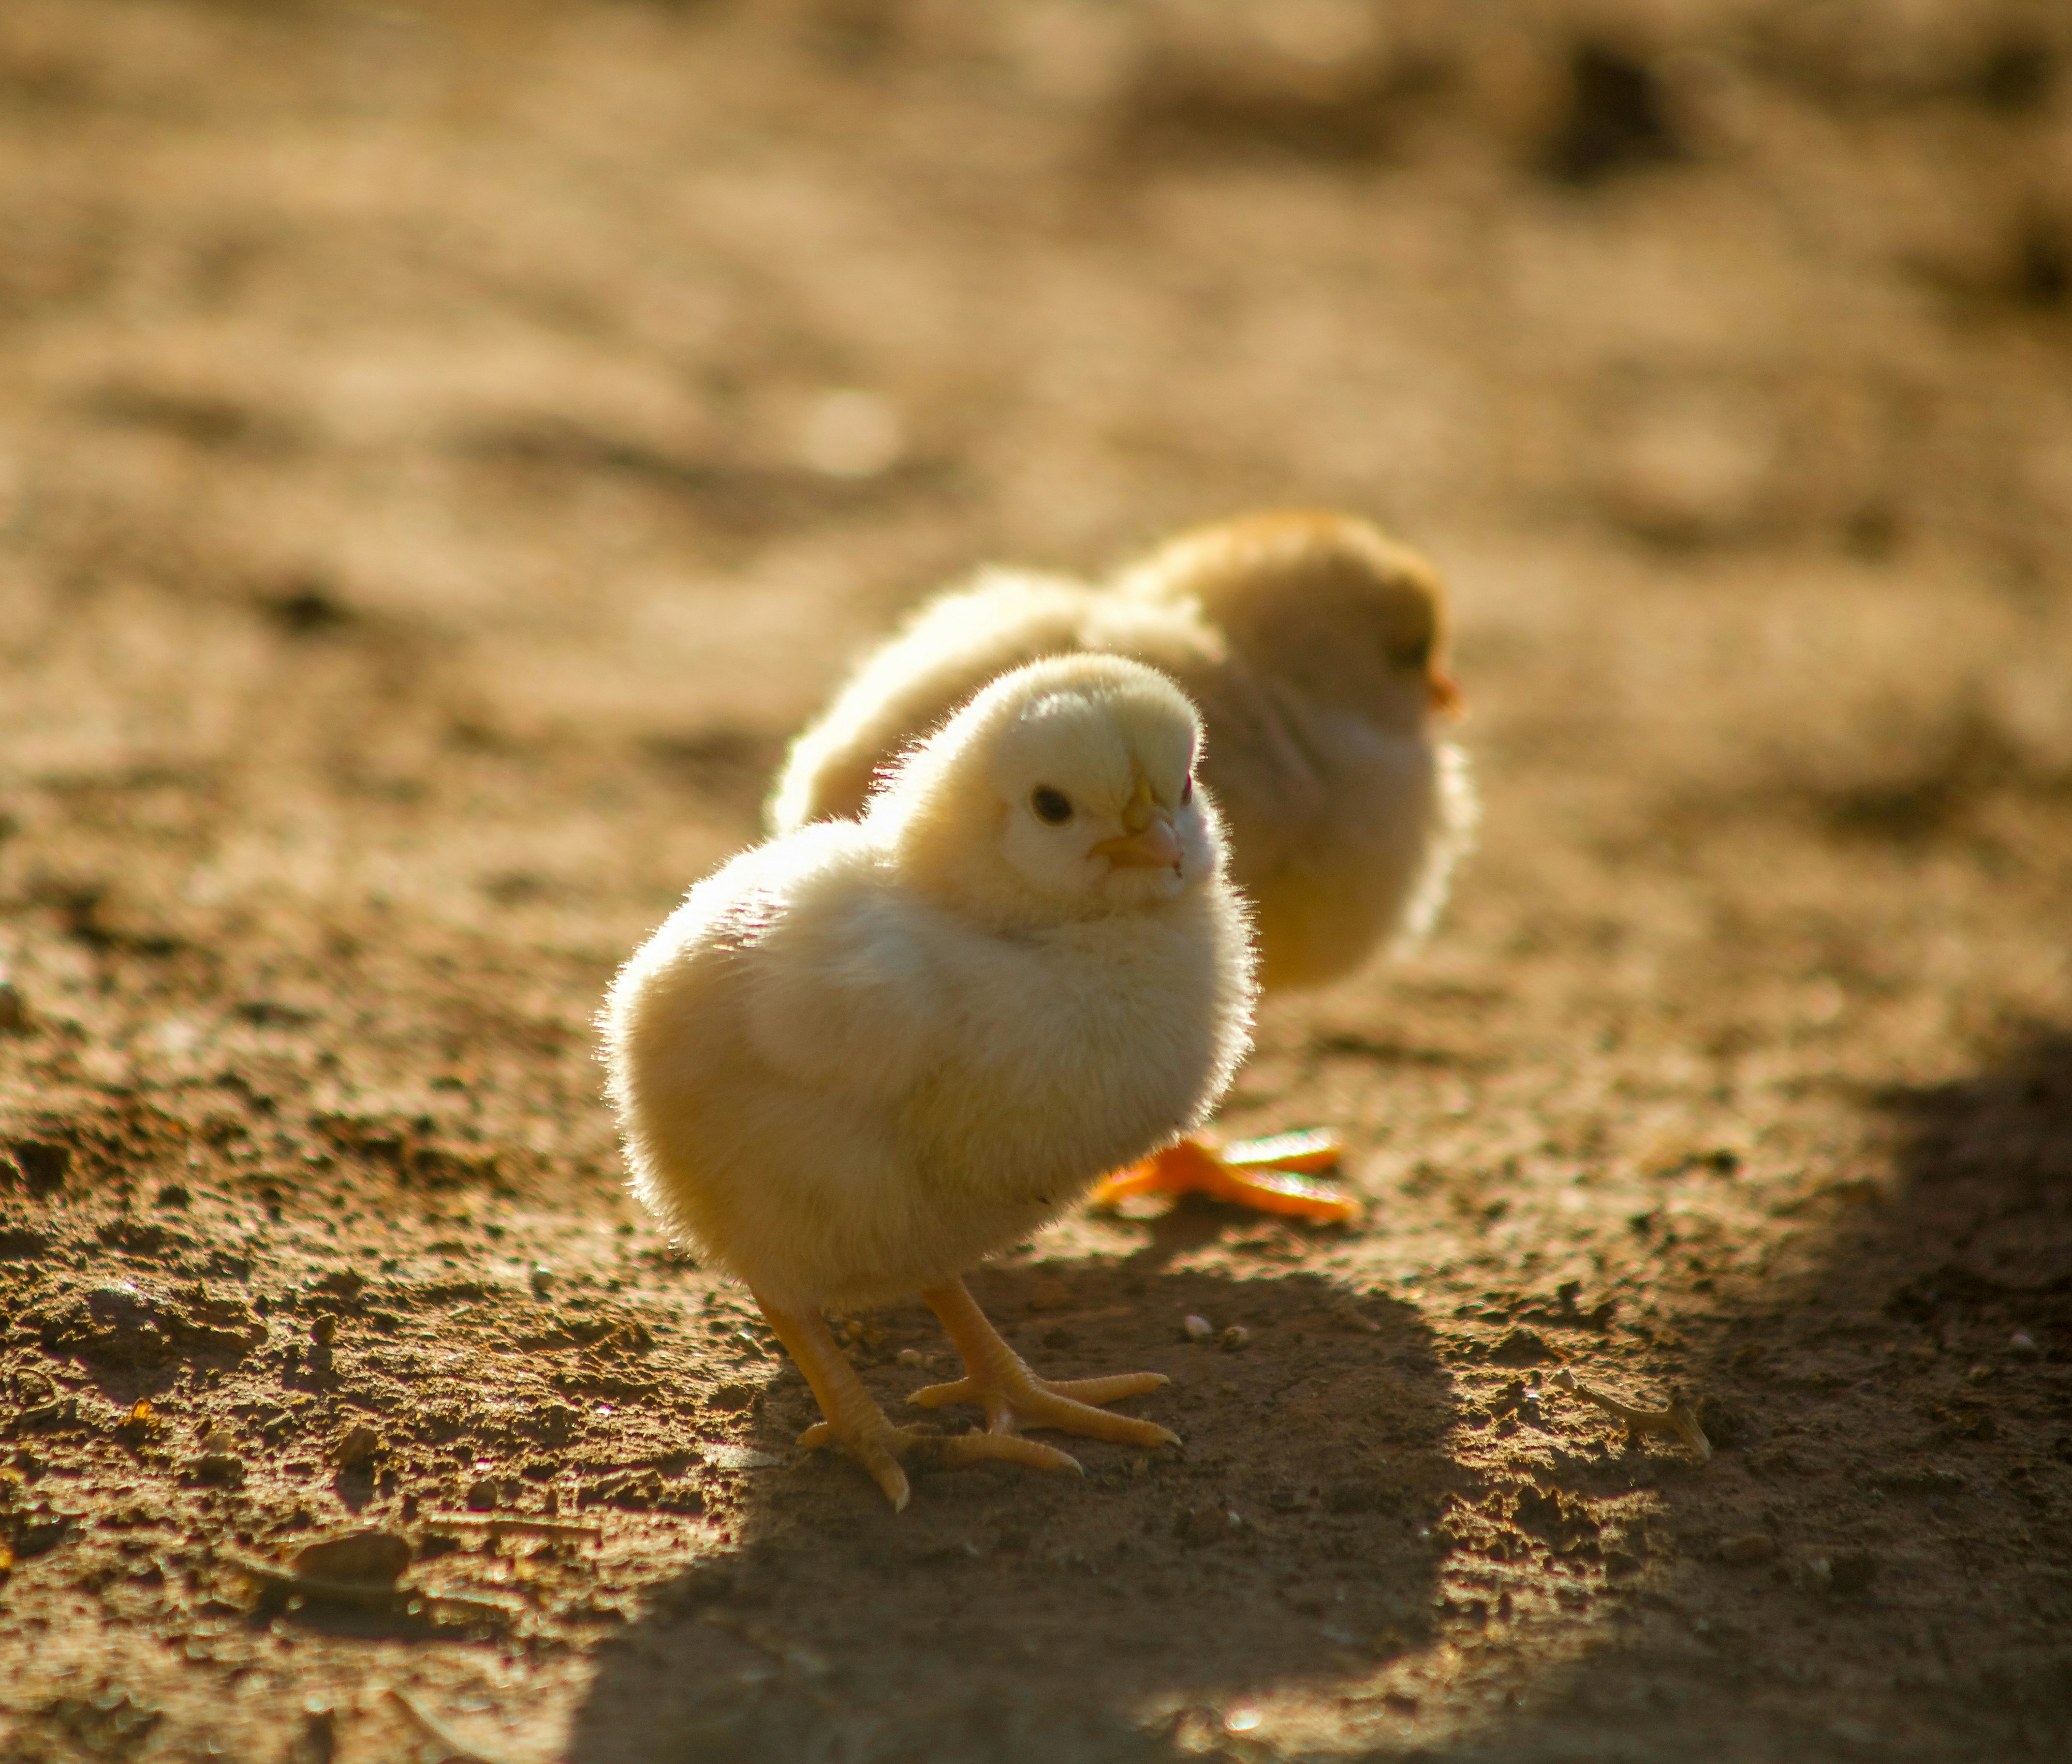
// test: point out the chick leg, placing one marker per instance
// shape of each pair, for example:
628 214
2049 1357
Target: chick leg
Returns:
856 1423
1268 1175
998 1379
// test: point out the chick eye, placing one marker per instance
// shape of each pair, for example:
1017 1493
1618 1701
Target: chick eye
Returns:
1051 805
1186 790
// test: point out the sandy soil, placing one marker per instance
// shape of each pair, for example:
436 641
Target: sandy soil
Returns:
443 452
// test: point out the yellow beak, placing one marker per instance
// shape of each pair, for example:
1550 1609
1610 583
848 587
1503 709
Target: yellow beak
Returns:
1150 844
1157 847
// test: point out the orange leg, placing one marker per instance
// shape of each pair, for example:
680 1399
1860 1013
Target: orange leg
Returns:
856 1423
999 1380
1268 1175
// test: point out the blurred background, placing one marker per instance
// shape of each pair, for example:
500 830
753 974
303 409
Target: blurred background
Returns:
447 449
400 405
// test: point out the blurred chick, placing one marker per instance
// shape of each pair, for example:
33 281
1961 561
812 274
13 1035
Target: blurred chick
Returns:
866 1054
1314 646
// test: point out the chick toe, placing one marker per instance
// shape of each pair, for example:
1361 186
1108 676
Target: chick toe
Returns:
854 1421
1105 1389
1266 1181
874 1444
883 1453
998 1380
1030 1401
979 1448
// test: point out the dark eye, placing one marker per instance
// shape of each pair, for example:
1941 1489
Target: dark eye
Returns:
1186 790
1417 652
1052 805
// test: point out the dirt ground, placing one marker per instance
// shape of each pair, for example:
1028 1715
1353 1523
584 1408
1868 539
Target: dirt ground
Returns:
445 449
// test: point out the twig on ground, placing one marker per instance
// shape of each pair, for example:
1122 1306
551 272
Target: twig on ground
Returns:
1678 1418
514 1522
458 1751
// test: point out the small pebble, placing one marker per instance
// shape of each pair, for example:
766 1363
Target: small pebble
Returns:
2022 1346
359 1443
907 1356
543 1280
1199 1329
1234 1338
323 1330
1748 1549
363 1554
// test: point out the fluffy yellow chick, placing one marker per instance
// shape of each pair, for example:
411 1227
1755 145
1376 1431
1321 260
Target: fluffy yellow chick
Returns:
1314 646
866 1054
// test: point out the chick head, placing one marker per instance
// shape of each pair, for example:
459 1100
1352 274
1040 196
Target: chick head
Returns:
1327 602
1063 790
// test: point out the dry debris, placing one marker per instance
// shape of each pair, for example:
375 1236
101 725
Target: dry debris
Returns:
453 1749
364 1568
1678 1418
499 1523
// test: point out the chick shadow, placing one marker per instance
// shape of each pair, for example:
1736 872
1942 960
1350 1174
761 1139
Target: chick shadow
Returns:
1892 1424
1009 1615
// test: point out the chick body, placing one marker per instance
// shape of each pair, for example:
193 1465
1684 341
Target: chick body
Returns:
840 1092
864 1055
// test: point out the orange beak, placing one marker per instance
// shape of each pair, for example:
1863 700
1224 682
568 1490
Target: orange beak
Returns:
1447 697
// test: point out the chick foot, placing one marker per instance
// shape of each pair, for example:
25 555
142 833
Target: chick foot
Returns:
1268 1175
856 1423
998 1380
883 1451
